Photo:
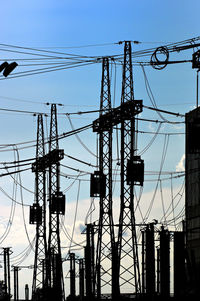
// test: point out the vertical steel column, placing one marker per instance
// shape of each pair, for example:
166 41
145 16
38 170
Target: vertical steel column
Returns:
179 264
81 279
105 241
158 272
89 262
6 255
55 272
40 200
164 263
5 270
143 263
16 283
150 261
72 275
129 273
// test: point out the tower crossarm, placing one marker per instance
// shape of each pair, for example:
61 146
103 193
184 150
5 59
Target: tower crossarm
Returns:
45 161
126 111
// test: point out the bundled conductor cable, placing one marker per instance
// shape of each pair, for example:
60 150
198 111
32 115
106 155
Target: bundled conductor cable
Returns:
156 62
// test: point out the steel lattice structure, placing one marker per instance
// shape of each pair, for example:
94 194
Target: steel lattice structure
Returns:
55 272
40 203
128 265
105 242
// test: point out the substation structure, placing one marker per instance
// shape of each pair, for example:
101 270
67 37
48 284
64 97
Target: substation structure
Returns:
111 268
117 259
48 281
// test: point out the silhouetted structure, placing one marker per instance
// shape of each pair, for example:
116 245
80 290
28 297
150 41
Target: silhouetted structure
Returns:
38 215
56 208
192 208
105 264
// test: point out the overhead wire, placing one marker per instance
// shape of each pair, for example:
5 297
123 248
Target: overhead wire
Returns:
178 194
12 211
151 96
164 152
81 161
22 201
67 235
151 141
25 188
39 52
43 70
78 138
75 215
71 185
172 198
162 202
61 136
14 172
83 60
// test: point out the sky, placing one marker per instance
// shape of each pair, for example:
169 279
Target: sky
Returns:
91 28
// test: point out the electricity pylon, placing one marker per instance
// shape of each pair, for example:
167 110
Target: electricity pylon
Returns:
38 215
56 207
128 264
105 241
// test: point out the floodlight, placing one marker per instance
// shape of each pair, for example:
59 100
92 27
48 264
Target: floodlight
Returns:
3 66
9 68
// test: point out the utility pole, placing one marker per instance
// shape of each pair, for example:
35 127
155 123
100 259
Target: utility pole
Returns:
16 282
81 279
149 282
131 173
72 275
105 240
56 208
6 256
164 262
89 262
38 215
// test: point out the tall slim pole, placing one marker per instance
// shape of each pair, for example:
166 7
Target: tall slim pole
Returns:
40 207
89 262
16 283
56 207
81 279
164 262
128 263
6 256
72 275
105 241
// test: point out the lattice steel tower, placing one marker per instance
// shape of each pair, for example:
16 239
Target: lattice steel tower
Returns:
56 207
105 242
38 215
128 265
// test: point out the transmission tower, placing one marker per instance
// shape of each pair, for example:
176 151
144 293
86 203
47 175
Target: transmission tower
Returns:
105 242
56 207
131 173
38 214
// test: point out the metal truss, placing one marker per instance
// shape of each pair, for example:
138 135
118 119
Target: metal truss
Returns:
128 264
105 241
55 272
40 219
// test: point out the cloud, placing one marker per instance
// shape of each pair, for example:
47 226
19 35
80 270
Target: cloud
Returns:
181 164
77 213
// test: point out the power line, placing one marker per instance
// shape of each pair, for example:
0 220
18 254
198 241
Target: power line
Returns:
14 172
164 111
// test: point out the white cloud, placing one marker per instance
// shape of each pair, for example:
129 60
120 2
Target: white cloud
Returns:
181 164
18 240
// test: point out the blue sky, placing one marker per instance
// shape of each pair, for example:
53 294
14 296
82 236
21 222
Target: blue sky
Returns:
56 25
